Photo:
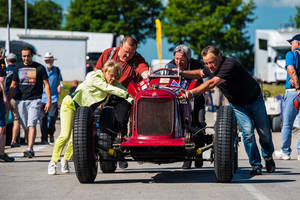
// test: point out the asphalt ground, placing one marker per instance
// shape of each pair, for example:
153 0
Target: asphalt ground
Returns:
28 179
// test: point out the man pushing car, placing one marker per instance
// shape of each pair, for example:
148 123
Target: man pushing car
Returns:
245 98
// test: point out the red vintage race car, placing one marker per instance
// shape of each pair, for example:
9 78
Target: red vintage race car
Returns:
159 131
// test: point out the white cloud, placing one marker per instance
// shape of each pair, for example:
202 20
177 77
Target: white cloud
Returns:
276 3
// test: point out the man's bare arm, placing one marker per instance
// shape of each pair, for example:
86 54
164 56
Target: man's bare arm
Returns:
294 78
48 94
12 90
206 86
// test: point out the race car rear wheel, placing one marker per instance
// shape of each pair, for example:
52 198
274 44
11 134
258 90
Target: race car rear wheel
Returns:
106 138
84 146
225 145
107 165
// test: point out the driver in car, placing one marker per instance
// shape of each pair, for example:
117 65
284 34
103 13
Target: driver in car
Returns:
183 61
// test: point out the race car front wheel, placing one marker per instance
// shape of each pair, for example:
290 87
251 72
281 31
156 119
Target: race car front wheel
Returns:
84 146
225 145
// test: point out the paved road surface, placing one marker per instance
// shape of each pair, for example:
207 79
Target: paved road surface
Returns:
28 179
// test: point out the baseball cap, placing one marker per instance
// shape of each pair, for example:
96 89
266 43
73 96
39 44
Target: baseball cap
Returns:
11 57
296 37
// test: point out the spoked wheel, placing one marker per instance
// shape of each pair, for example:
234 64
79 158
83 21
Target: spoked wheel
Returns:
225 145
106 138
84 146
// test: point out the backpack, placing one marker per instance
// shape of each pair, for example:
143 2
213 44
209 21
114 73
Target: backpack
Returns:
8 80
58 75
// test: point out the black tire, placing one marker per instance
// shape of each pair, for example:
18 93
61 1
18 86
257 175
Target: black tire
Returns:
84 146
225 145
276 124
106 138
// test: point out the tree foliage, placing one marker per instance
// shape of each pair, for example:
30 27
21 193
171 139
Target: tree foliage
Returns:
46 14
17 13
127 17
297 17
43 14
222 23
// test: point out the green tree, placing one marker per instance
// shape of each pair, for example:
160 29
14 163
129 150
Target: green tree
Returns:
221 23
127 17
44 14
296 20
17 13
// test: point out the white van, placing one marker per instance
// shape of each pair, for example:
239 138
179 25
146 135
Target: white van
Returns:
270 49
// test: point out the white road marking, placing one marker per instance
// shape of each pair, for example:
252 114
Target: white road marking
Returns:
254 192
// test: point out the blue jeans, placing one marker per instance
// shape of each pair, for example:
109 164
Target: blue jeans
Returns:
289 114
248 117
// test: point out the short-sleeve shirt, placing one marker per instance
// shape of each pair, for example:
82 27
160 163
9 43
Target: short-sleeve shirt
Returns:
30 80
127 67
291 58
240 88
2 74
54 77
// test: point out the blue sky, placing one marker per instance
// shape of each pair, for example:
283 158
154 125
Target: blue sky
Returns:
270 14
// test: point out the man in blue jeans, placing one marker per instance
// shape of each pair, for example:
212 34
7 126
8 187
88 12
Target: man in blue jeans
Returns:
48 119
292 88
244 95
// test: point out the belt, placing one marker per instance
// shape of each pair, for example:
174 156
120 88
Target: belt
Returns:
290 90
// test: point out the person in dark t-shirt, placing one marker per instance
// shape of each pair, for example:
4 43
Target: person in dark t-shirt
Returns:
30 78
244 96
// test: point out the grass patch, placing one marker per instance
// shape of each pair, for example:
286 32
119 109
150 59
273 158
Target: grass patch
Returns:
65 90
274 89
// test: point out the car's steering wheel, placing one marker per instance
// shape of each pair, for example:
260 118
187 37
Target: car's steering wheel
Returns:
161 69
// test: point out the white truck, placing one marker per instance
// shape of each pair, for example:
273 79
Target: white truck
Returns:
270 49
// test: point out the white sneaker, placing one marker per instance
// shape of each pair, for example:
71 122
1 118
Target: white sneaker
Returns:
281 155
64 166
52 168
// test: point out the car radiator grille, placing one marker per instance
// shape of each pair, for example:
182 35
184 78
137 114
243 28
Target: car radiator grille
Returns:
155 116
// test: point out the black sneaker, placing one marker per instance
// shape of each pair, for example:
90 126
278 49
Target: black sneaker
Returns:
51 138
256 170
29 153
187 165
44 142
123 164
14 145
6 158
270 165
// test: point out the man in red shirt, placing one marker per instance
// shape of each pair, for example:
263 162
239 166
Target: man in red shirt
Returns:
134 65
134 68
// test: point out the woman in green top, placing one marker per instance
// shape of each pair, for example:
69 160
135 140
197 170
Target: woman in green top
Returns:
95 90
